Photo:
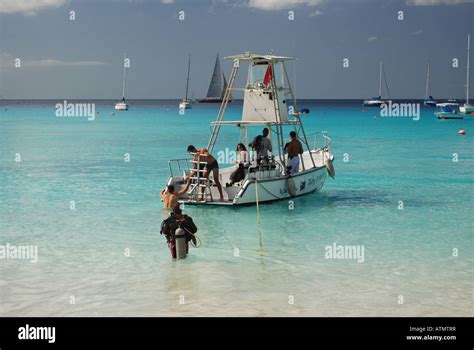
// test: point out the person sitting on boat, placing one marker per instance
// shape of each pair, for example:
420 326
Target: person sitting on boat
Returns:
178 220
211 165
242 161
293 148
256 146
242 154
170 199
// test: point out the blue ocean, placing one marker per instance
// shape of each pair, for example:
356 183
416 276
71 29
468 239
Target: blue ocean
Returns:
86 193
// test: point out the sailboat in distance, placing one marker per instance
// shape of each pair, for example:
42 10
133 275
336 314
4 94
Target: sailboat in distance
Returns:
186 103
467 108
218 85
122 105
429 101
377 101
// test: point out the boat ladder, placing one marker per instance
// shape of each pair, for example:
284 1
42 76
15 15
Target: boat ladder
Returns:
200 188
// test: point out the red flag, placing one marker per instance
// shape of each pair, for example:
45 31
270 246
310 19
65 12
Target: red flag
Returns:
268 76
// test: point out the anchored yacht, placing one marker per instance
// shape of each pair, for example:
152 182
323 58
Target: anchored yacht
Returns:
186 103
429 100
267 96
122 105
467 108
377 101
448 110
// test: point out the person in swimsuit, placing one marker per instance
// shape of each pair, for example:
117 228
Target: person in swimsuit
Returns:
211 165
170 199
294 149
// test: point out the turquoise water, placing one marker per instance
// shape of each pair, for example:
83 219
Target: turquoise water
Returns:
108 257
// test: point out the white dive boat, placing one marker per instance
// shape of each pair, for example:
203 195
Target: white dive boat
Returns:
122 105
268 98
467 108
186 103
377 101
217 86
429 101
448 110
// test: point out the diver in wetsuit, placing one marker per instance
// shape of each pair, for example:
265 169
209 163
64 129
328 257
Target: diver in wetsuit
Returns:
178 220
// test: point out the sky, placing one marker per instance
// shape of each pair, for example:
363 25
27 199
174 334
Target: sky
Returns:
82 58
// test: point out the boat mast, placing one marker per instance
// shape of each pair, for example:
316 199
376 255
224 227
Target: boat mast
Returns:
467 70
427 81
123 80
380 79
187 79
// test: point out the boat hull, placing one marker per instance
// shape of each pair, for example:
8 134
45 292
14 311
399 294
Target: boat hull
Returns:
466 109
185 105
121 106
429 103
272 189
375 103
444 116
277 188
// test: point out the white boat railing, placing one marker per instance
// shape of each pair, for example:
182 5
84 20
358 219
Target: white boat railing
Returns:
327 140
179 164
327 144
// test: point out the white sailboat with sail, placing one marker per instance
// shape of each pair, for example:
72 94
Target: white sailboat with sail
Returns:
186 103
377 101
429 101
122 105
467 108
217 86
268 102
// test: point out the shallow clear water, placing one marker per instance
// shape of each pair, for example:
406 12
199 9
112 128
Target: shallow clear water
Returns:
82 252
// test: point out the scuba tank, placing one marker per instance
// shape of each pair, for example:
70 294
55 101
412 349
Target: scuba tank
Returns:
181 243
179 234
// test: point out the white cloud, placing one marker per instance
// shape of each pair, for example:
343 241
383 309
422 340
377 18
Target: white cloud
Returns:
437 2
8 61
28 7
167 2
315 13
51 62
372 38
418 32
274 5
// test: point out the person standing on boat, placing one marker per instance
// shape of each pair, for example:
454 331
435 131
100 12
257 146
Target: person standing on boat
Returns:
266 143
293 148
262 145
211 165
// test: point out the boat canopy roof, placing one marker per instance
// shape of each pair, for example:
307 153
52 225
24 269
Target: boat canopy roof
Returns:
247 56
254 122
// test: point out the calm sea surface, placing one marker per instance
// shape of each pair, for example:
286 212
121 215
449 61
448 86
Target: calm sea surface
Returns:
107 258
